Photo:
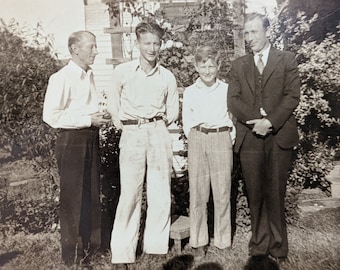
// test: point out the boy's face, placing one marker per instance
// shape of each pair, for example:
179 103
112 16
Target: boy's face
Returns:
149 45
208 71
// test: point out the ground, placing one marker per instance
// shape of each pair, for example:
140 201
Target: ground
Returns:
313 240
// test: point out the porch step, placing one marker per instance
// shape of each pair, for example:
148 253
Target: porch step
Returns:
179 230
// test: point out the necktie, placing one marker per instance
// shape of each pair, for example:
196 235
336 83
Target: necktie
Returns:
260 65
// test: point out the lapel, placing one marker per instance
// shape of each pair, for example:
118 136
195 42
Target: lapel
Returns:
273 60
249 71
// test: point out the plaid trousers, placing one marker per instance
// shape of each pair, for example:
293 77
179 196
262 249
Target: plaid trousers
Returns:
210 159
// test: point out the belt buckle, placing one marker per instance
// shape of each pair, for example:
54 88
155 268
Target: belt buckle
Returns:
142 121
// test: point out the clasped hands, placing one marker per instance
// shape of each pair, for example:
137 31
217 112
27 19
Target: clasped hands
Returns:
99 119
262 127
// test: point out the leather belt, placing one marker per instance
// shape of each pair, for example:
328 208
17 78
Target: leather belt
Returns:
212 130
141 120
91 128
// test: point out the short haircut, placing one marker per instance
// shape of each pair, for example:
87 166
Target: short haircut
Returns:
254 15
147 27
77 37
204 53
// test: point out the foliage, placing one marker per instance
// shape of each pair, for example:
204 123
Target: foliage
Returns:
318 113
26 63
177 60
210 23
328 13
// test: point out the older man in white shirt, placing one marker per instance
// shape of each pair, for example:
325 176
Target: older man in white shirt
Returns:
71 105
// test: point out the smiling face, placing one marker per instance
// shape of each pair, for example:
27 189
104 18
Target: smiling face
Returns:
208 71
149 46
255 35
85 50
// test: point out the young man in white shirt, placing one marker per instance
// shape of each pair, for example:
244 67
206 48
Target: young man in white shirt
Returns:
143 102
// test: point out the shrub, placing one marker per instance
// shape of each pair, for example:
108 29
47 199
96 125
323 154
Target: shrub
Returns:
26 65
318 113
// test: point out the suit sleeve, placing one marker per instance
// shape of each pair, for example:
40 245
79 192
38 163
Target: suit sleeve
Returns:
291 94
235 98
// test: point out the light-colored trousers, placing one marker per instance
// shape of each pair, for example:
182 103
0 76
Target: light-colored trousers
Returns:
147 147
210 159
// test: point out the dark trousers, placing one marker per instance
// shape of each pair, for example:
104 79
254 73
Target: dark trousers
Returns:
265 169
80 208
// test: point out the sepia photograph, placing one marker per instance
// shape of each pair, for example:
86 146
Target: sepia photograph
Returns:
170 135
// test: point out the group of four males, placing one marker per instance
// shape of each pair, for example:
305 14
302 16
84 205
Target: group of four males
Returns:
262 93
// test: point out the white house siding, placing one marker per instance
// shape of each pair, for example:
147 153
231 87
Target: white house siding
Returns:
96 18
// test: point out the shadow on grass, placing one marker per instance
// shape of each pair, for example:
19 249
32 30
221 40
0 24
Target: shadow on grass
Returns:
182 262
5 258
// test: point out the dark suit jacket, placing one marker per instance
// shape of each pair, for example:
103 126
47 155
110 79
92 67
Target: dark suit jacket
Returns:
281 93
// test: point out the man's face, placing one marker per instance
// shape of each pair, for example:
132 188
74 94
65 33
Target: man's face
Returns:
149 45
86 49
255 35
208 71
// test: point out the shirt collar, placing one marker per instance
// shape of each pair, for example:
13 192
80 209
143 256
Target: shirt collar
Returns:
200 84
78 71
137 66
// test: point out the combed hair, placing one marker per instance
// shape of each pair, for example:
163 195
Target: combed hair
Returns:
254 15
153 28
76 37
204 53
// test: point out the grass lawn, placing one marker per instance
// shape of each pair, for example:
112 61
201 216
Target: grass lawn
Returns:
314 245
313 241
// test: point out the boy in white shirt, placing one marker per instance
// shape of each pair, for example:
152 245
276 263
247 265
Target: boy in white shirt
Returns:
210 132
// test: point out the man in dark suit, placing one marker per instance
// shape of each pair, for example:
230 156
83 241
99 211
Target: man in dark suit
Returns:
264 90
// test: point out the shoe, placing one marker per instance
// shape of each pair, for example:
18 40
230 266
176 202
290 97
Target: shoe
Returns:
223 251
120 266
261 262
199 252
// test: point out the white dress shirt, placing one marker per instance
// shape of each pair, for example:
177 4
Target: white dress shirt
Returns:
135 94
70 98
206 107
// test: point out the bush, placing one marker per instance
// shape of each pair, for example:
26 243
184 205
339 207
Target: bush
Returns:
318 113
26 65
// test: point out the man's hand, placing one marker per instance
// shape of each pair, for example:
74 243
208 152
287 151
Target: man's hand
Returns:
99 119
262 127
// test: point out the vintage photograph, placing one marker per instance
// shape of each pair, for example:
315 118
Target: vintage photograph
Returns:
169 134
